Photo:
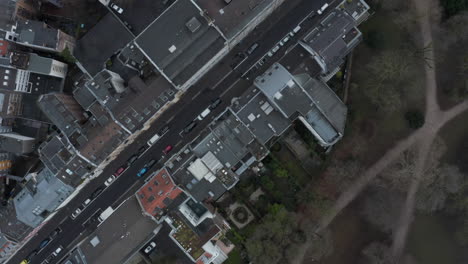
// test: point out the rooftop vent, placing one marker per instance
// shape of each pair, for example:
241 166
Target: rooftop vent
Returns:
193 24
172 49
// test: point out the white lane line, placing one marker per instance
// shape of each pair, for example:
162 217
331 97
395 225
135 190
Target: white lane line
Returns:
222 79
196 95
229 88
170 119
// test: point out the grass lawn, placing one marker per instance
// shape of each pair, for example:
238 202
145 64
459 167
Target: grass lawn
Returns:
234 257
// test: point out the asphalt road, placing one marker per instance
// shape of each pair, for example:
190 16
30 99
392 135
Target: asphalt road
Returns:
222 81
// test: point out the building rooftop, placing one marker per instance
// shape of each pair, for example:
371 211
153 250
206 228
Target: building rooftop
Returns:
37 33
100 43
202 189
188 42
7 11
10 226
233 16
255 111
61 159
332 39
147 10
308 99
3 47
40 197
158 194
120 235
16 143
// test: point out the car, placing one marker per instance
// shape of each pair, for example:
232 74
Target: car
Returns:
167 149
31 255
190 127
164 130
142 172
24 261
76 213
86 202
119 171
96 193
142 150
270 54
275 49
132 159
117 8
44 243
55 233
109 180
150 247
150 163
215 103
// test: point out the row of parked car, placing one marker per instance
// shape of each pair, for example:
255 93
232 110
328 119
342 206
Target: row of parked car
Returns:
202 115
44 244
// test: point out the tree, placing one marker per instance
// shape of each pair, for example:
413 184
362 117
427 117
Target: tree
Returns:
415 119
381 206
273 237
67 56
342 173
377 253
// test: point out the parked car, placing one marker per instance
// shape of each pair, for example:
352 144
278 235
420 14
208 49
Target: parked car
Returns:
96 193
119 171
164 130
31 255
57 251
44 243
190 127
109 180
167 149
151 163
142 150
142 172
55 233
117 8
150 247
76 213
86 202
215 103
132 159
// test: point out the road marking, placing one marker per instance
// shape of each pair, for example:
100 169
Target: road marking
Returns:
229 88
222 79
196 95
240 63
170 119
178 143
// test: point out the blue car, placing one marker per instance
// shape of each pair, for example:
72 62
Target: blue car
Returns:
142 172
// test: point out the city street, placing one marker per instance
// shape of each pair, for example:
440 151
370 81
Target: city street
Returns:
221 82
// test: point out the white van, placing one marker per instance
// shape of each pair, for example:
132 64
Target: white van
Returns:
153 139
204 114
320 11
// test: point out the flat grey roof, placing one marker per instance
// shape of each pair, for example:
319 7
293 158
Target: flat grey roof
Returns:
120 235
100 43
7 10
10 225
180 41
37 33
327 38
49 192
257 114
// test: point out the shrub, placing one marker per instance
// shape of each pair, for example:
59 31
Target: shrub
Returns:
415 119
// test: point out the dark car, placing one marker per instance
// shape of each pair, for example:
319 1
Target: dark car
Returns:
215 103
150 163
142 150
164 130
55 233
132 159
44 243
190 126
97 192
31 255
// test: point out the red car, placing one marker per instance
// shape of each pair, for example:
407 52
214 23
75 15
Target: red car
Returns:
167 149
119 171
